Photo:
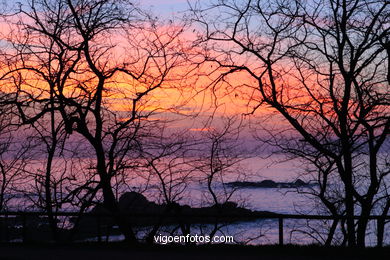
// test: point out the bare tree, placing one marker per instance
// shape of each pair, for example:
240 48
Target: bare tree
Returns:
167 172
52 180
322 67
13 155
97 64
221 155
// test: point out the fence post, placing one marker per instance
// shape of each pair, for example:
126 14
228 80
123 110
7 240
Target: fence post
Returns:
280 231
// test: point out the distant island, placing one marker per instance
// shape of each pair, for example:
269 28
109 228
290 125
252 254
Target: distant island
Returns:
269 184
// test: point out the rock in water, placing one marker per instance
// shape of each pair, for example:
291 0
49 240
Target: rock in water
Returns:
300 183
132 200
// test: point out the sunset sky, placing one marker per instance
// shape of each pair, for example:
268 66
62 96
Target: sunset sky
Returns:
179 116
166 7
231 101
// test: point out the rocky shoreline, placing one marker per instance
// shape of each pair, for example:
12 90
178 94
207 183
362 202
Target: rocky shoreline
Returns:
142 212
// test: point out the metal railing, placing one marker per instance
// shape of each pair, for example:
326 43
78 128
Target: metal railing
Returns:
22 219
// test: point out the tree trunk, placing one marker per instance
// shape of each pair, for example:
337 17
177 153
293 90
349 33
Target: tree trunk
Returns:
381 224
380 231
48 199
111 204
332 230
350 211
348 185
362 227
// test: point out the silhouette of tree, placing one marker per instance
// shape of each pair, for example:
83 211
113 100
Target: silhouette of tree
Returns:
13 155
93 65
322 67
221 155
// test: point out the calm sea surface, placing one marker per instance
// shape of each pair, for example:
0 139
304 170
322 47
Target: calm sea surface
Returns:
262 199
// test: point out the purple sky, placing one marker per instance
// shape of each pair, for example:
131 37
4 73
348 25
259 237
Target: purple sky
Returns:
165 7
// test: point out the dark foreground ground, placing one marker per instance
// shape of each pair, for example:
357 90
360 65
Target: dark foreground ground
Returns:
120 251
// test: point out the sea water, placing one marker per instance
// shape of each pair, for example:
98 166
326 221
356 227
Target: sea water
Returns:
195 193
